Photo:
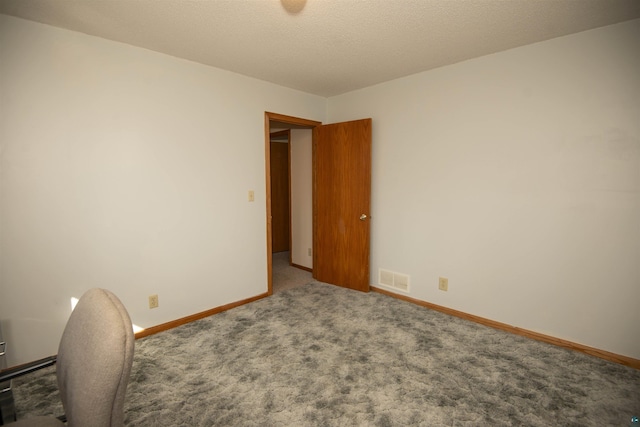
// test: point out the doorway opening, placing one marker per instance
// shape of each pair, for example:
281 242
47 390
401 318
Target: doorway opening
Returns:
341 200
288 200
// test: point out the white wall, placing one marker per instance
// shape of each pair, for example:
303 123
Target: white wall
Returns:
126 169
301 197
517 176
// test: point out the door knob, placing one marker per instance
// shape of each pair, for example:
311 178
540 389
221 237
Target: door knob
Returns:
363 217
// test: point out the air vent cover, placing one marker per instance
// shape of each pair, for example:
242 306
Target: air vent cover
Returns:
393 280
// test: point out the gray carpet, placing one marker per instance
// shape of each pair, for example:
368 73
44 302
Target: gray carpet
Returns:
319 355
285 276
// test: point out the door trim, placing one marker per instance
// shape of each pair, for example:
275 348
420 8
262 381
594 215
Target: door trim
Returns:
287 120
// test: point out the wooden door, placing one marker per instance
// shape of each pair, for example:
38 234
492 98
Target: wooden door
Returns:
342 201
280 196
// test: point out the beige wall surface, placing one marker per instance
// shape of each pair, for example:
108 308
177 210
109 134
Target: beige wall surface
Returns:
301 198
126 169
517 177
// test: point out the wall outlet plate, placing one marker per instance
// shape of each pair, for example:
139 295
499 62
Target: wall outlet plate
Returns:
153 301
443 284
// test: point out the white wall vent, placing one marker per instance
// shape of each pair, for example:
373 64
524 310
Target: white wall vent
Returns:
393 280
385 277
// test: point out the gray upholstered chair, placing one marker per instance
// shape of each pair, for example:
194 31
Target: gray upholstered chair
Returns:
93 363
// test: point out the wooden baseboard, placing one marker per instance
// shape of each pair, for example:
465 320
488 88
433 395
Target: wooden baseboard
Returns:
188 319
602 354
310 270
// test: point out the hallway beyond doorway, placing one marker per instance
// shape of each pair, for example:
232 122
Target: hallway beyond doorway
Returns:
286 276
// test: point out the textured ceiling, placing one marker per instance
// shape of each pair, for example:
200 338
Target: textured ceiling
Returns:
330 46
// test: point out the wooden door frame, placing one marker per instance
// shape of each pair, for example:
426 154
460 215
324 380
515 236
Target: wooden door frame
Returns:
299 123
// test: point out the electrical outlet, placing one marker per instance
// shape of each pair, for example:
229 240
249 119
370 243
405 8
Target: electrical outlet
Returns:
252 196
309 252
443 284
153 301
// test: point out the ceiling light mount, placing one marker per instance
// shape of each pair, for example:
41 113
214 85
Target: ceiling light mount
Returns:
293 7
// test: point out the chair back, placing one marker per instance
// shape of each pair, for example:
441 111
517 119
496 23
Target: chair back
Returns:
94 361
